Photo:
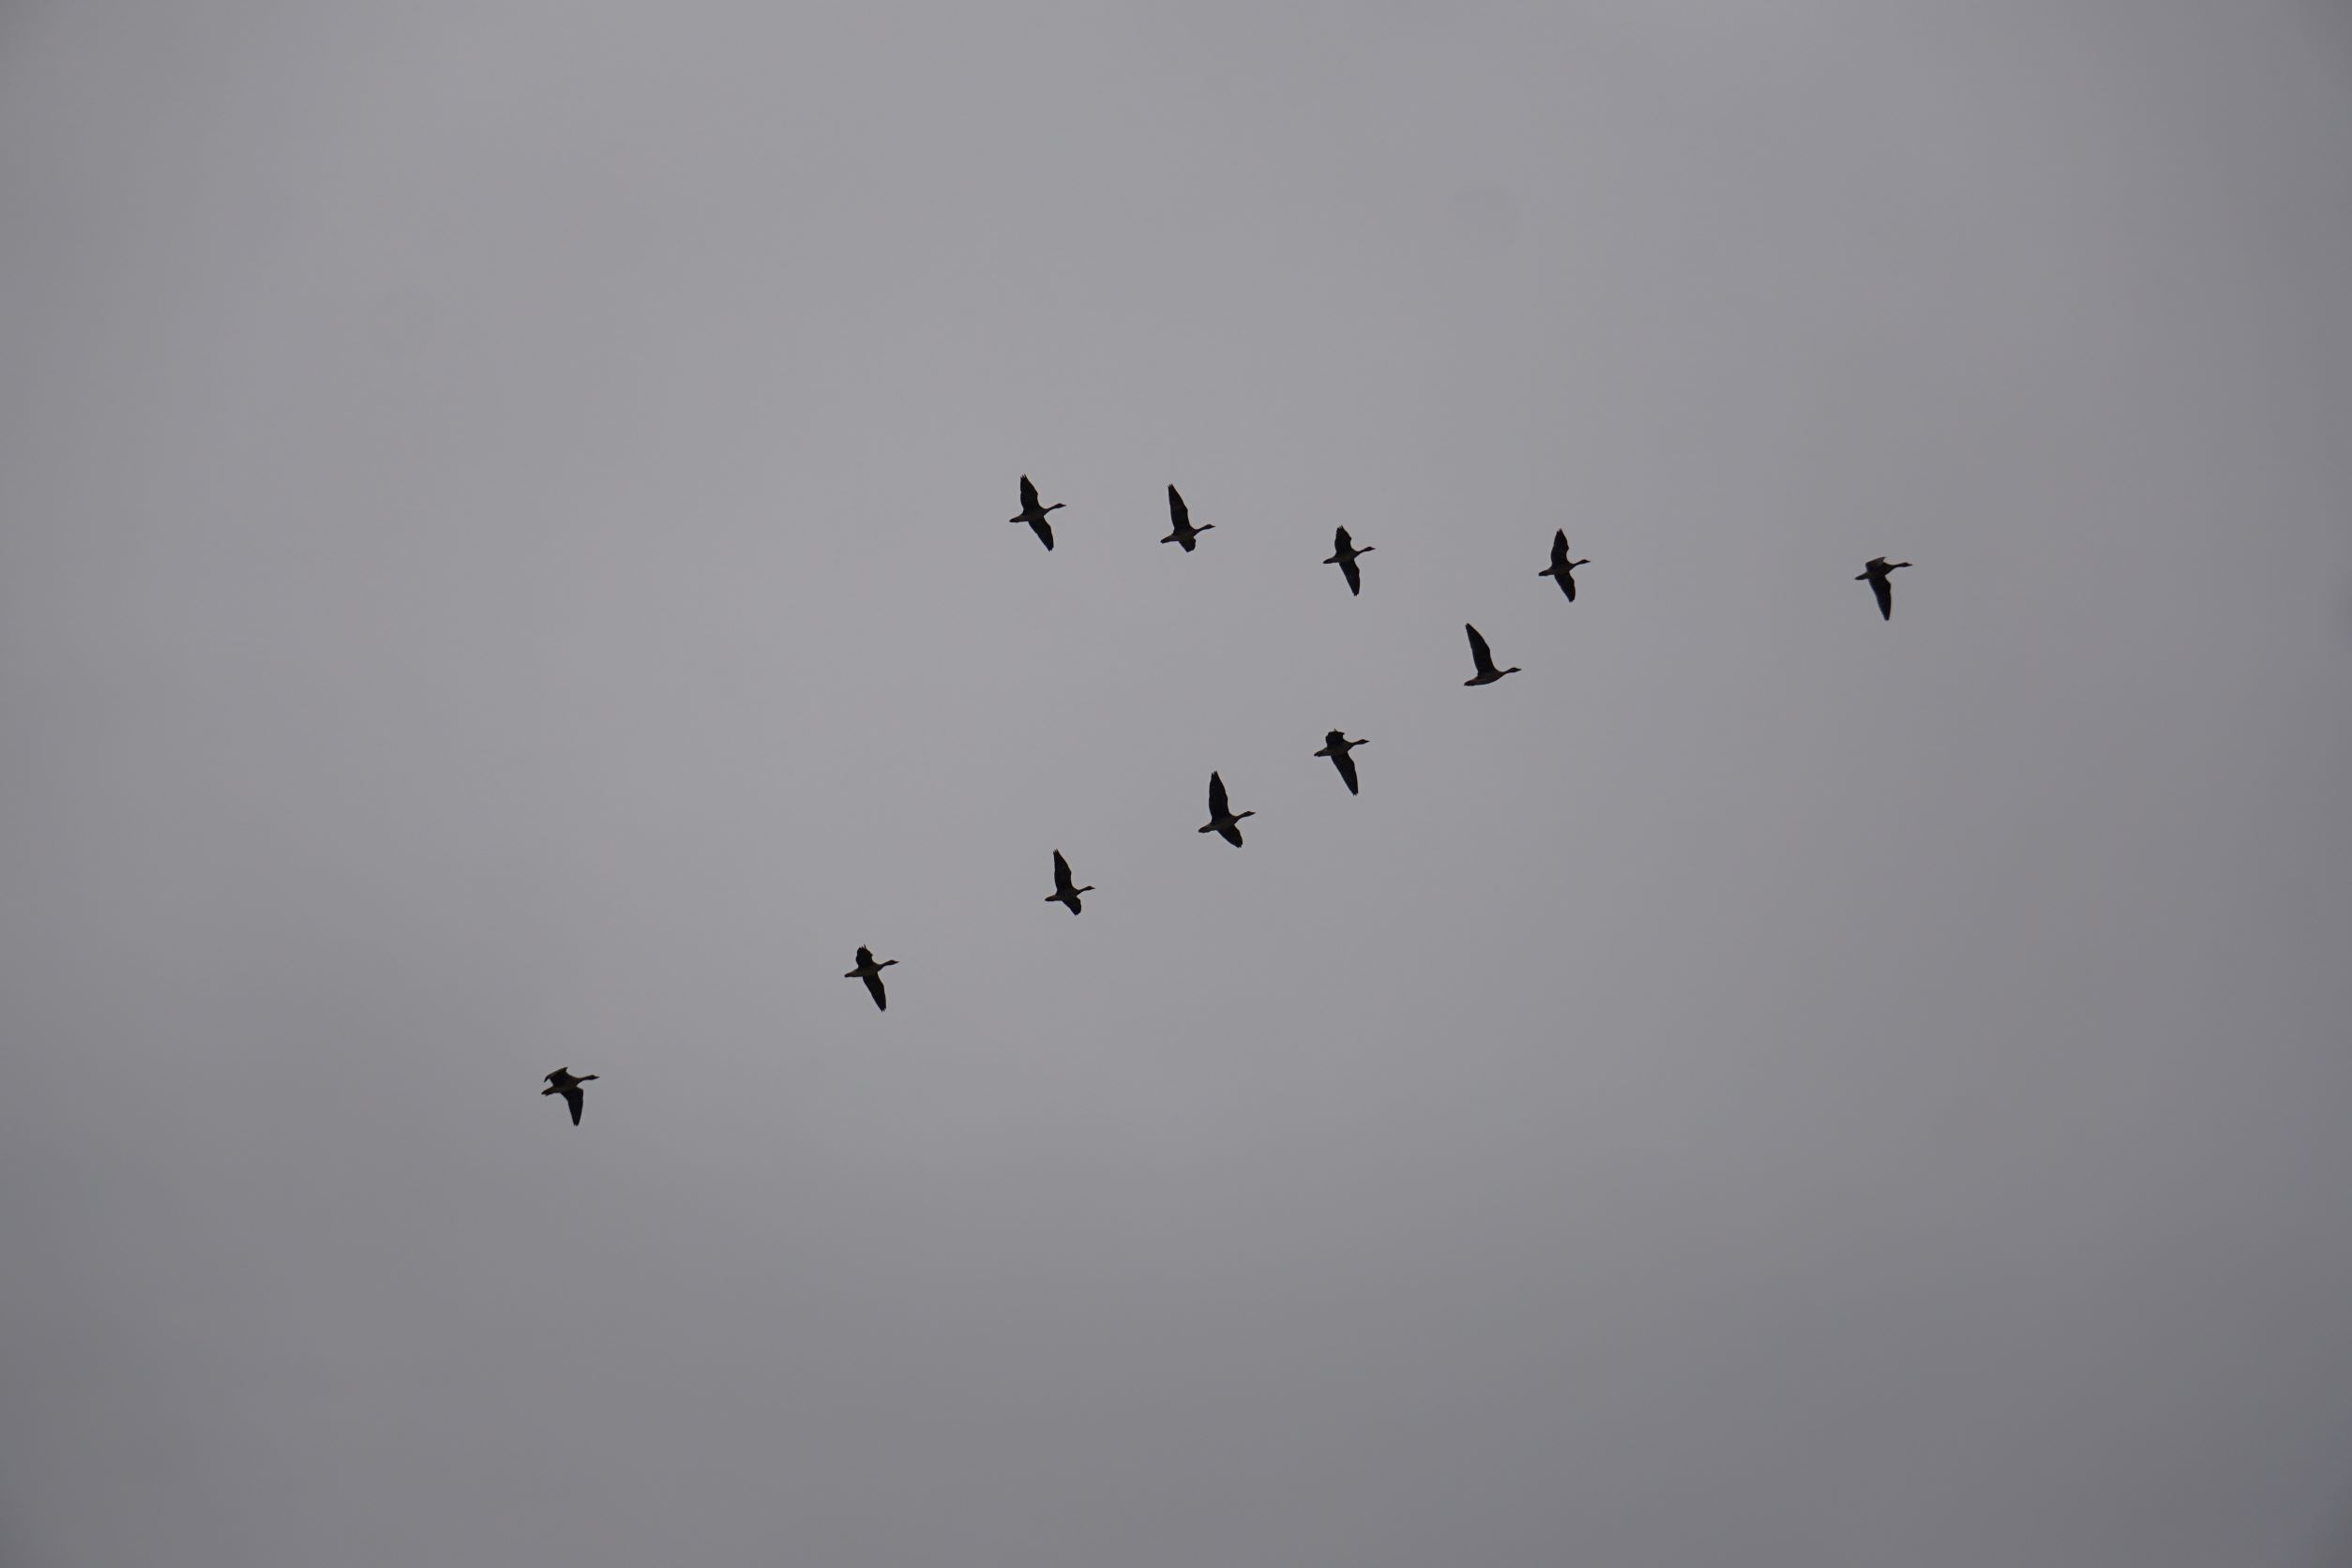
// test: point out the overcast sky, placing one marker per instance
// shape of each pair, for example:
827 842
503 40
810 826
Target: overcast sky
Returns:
503 565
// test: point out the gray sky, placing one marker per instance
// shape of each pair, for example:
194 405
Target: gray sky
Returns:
505 565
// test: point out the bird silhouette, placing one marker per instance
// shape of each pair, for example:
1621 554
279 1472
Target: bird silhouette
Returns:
1180 516
1487 674
1563 571
1344 556
1062 892
870 971
1035 514
1223 821
1336 745
1876 575
562 1083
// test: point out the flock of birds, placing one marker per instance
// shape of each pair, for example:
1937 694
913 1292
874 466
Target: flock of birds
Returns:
1224 821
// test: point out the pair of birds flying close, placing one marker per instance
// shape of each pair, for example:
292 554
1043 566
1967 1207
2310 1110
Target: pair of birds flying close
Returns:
1226 822
1344 552
1182 530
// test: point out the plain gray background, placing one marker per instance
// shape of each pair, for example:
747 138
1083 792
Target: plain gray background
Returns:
505 565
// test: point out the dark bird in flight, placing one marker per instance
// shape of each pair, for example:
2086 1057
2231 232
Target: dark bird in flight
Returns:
1062 892
870 971
1035 514
1222 819
1344 557
1487 674
562 1083
1179 517
1336 745
1563 571
1876 575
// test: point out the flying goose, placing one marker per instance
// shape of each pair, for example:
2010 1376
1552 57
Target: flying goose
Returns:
562 1083
1179 516
1344 557
1563 571
1335 747
1222 819
1062 892
1487 674
1876 575
870 971
1035 514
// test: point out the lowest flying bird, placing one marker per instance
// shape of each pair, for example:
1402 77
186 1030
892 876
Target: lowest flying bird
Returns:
1336 745
870 971
562 1083
1180 519
1035 514
1563 571
1876 575
1344 554
1223 821
1062 892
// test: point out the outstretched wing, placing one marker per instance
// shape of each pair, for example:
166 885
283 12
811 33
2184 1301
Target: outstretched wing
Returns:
1560 549
1177 511
1478 648
1216 796
1045 529
1029 495
1883 586
1348 570
1062 880
874 989
1347 766
577 1099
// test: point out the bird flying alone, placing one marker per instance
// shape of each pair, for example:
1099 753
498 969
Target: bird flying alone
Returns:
1035 514
1062 892
1876 575
1180 519
1336 745
1487 674
562 1083
1563 571
1223 822
870 971
1344 554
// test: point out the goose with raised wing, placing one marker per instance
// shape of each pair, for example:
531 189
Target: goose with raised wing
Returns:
562 1083
1487 674
1180 519
870 971
1062 892
1344 554
1223 821
1336 745
1876 575
1563 571
1035 514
